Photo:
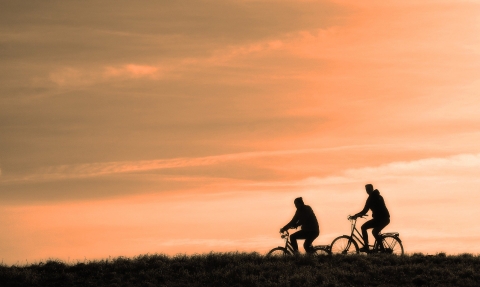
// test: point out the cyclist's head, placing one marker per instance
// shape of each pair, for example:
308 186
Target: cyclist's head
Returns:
298 202
369 188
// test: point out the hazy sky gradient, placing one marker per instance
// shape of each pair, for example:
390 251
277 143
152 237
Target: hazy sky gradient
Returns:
190 126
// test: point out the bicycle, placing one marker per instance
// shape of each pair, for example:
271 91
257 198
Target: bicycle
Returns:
288 249
348 244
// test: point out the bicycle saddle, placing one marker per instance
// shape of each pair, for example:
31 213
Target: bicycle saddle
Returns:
391 234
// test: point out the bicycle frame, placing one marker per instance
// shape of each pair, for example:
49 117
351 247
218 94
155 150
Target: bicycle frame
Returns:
356 235
289 247
389 243
288 244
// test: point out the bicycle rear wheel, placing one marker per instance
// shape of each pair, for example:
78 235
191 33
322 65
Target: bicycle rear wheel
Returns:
278 252
344 245
392 245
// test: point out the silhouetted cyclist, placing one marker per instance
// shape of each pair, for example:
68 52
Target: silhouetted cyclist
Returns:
380 215
304 217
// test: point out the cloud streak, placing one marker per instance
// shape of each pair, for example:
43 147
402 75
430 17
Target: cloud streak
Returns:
108 168
437 169
84 77
133 71
461 165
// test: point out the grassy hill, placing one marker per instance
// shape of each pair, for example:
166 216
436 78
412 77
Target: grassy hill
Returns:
252 269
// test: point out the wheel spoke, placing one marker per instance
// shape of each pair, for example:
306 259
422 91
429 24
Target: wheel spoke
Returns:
392 245
344 245
278 252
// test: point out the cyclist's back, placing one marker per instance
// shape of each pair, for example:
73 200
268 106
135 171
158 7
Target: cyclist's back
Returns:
376 203
306 218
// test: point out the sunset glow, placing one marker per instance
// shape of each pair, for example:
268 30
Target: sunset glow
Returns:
141 127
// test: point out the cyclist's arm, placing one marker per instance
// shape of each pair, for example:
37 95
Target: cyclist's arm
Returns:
364 211
293 223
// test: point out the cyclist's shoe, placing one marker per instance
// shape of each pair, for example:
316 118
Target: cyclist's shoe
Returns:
364 249
310 250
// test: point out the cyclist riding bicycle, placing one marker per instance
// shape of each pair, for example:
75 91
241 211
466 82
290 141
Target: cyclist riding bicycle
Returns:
304 217
380 215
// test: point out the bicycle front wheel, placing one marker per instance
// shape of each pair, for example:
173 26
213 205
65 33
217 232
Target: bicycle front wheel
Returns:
278 252
392 245
344 245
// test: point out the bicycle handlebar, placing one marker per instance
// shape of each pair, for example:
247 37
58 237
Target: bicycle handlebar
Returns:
285 234
353 217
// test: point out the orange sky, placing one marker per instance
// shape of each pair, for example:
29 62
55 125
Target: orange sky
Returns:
150 127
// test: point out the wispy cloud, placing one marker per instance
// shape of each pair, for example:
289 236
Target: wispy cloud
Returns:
133 71
99 169
118 167
80 76
462 165
441 168
69 76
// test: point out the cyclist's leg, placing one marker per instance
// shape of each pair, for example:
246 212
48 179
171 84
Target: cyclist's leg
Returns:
367 225
293 239
380 224
311 236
